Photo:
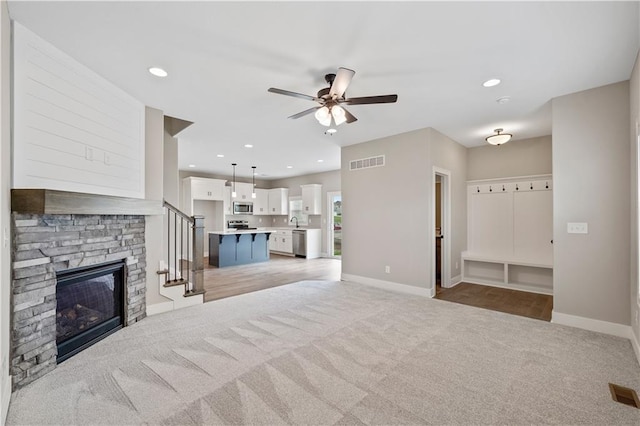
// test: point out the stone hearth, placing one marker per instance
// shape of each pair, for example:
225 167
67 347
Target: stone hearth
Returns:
44 244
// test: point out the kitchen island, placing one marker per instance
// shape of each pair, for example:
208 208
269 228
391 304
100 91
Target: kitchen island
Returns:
238 247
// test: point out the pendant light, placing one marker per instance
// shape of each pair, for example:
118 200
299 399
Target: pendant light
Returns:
253 182
499 138
233 189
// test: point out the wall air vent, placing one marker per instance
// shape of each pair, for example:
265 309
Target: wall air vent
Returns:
366 163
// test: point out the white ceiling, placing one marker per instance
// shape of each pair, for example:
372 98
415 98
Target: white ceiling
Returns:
223 56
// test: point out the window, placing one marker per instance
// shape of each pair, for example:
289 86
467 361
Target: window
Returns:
295 210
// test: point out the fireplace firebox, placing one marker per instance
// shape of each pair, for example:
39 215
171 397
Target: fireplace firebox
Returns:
90 306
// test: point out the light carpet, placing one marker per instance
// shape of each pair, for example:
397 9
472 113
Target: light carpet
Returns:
335 353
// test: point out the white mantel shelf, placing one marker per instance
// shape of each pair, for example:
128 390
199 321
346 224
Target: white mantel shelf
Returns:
49 201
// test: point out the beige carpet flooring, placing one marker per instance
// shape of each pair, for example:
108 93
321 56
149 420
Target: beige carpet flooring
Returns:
337 353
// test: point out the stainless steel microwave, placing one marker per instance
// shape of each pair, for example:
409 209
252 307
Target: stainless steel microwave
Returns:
240 207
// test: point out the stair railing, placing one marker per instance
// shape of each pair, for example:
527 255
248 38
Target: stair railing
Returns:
185 251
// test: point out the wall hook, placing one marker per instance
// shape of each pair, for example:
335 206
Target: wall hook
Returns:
517 187
546 185
503 188
531 187
478 189
490 189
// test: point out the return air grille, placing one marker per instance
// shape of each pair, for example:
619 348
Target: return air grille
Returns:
367 163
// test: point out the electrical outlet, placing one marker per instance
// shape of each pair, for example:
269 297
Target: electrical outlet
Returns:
274 220
260 220
284 220
387 269
577 228
309 221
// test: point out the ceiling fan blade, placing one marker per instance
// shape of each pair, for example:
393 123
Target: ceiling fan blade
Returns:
341 82
305 112
294 94
384 99
350 117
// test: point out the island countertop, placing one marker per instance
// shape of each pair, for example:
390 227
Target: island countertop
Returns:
241 231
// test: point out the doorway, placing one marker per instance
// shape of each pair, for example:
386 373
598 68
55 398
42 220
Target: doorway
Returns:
441 230
334 225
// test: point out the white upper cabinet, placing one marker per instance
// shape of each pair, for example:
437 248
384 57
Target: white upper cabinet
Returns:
194 188
312 199
243 191
279 201
261 202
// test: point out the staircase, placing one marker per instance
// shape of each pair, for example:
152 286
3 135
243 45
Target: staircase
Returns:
182 272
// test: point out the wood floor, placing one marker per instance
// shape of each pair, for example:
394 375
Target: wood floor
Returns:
532 305
279 270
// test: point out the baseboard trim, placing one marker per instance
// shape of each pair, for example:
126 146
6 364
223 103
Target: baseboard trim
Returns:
612 328
6 397
635 344
455 280
159 308
389 285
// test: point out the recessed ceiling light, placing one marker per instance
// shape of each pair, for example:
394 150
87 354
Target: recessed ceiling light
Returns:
192 165
289 167
158 72
220 155
248 145
492 82
320 161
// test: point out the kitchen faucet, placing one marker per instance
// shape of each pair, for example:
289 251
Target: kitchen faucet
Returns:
296 221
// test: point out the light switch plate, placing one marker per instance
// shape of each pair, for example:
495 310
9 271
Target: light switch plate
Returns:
577 228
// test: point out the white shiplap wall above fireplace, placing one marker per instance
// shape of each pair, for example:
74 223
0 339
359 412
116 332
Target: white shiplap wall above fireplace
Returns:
73 130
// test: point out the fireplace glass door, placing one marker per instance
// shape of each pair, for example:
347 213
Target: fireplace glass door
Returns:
89 306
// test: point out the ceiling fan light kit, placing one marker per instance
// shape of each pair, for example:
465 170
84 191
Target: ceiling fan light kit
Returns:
331 97
499 138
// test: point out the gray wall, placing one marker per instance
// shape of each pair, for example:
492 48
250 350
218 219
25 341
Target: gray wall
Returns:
154 228
379 229
525 157
634 123
5 209
591 177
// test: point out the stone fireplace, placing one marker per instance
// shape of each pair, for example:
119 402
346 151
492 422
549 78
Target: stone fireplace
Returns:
46 246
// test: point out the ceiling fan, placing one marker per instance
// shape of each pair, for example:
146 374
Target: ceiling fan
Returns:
331 98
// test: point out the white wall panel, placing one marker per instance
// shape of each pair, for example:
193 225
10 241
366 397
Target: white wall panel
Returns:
73 130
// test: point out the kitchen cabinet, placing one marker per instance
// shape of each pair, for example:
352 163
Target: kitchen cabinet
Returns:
195 188
243 191
261 202
279 201
281 241
312 199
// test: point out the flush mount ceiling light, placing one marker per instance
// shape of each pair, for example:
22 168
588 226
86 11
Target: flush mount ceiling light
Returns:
492 82
158 72
499 138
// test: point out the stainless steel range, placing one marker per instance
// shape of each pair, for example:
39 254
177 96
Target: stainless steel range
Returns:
238 224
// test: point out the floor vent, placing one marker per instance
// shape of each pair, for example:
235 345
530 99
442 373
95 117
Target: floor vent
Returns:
367 163
624 395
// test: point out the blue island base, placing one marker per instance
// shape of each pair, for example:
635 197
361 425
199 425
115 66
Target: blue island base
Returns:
238 249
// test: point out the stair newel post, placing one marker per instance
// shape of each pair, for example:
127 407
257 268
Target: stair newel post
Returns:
197 262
